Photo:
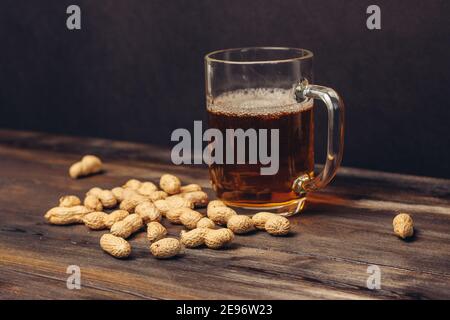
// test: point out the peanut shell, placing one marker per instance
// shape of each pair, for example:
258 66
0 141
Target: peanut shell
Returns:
147 188
93 203
277 226
199 198
69 201
403 225
193 238
240 224
206 223
148 212
155 231
190 188
127 226
115 246
132 184
220 215
189 218
170 183
216 239
115 216
166 248
260 219
95 220
62 215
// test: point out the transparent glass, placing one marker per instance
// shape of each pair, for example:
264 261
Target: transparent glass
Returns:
267 88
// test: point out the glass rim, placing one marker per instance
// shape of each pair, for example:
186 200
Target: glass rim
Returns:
303 55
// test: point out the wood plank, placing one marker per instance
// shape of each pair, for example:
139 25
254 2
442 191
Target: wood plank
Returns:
344 229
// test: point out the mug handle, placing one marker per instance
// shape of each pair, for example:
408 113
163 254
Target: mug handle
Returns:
335 144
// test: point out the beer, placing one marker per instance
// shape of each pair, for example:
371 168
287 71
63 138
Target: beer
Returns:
242 184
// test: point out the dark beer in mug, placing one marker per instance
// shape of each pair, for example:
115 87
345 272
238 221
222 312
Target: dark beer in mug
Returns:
263 108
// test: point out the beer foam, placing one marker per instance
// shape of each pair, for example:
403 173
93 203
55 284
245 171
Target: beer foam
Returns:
257 102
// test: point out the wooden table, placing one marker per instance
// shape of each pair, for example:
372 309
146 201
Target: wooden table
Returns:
344 230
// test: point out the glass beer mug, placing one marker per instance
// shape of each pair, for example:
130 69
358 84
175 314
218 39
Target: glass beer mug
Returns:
269 88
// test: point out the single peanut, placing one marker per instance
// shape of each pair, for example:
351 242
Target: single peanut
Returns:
179 202
162 206
174 215
206 223
260 219
218 238
193 238
132 184
107 198
199 198
403 225
157 195
88 165
190 188
93 203
115 246
130 193
170 183
277 226
130 203
63 215
220 215
114 217
147 188
215 203
240 224
95 220
189 218
127 226
94 192
166 248
155 231
171 203
118 193
69 201
148 212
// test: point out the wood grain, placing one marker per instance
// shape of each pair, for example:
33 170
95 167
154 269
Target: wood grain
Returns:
343 230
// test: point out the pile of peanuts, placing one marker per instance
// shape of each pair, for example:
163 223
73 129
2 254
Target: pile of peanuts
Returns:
138 204
143 204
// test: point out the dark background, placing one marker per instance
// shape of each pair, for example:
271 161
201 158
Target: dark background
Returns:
135 70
